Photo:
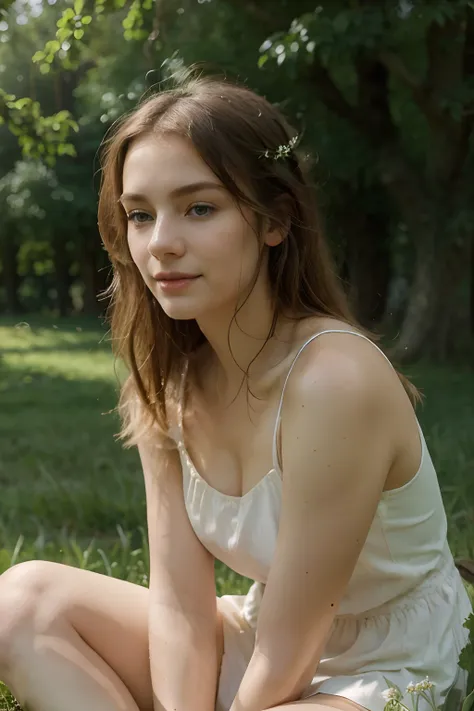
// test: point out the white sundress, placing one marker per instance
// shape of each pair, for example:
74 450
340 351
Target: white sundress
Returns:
402 613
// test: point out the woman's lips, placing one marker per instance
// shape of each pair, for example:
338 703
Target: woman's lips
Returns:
171 285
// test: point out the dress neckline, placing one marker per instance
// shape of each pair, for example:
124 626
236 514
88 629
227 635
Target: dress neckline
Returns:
273 472
276 470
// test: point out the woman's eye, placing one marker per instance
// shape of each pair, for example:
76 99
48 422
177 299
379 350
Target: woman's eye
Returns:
136 215
202 210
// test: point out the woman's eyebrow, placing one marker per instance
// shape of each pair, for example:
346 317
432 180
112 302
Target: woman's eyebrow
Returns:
177 192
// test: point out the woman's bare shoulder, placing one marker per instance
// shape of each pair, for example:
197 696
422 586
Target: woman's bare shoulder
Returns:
334 361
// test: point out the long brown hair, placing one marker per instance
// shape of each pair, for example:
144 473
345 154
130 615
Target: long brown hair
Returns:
245 141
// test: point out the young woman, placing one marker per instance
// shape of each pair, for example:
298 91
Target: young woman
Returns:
274 436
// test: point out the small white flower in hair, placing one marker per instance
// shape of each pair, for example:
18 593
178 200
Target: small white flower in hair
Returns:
284 150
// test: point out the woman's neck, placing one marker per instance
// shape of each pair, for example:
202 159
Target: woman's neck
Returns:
244 340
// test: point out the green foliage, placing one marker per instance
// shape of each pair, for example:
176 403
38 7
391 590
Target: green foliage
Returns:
397 699
468 702
466 662
39 136
384 120
134 21
332 33
337 34
76 21
29 194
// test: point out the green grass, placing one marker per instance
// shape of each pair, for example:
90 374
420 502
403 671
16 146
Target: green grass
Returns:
71 493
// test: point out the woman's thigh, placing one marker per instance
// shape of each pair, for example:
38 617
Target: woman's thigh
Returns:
110 615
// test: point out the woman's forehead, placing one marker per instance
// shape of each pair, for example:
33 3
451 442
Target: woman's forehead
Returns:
168 164
163 148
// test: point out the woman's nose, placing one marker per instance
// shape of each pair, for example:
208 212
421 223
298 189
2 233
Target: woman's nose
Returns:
165 239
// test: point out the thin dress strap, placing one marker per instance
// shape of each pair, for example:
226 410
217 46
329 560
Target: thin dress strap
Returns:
275 453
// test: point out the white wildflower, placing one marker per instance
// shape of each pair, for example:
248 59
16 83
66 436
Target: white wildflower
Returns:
283 151
391 695
424 685
411 688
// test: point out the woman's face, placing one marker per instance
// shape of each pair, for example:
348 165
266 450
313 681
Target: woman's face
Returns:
195 249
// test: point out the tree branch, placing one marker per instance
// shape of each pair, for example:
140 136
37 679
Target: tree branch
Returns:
396 66
373 102
444 44
467 122
373 120
157 29
264 12
449 49
401 179
450 64
468 70
259 13
330 94
468 54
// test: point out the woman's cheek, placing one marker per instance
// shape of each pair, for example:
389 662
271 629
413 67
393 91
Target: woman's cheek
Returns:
136 253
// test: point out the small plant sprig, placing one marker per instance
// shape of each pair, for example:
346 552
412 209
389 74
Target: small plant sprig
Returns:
284 150
394 697
454 700
466 662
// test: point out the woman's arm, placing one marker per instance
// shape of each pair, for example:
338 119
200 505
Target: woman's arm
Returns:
182 608
337 453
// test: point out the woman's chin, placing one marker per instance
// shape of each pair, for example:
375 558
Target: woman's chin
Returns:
178 311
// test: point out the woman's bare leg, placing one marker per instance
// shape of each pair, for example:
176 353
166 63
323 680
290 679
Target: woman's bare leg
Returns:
72 639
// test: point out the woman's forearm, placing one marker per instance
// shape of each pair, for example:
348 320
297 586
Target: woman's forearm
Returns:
183 661
269 682
261 688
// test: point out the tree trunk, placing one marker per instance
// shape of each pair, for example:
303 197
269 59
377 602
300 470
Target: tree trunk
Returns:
421 310
369 266
438 274
62 265
471 288
11 278
89 277
451 303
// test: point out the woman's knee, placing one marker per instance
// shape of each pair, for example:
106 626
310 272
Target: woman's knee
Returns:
25 604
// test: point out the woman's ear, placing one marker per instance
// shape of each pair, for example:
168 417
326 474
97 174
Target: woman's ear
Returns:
278 227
